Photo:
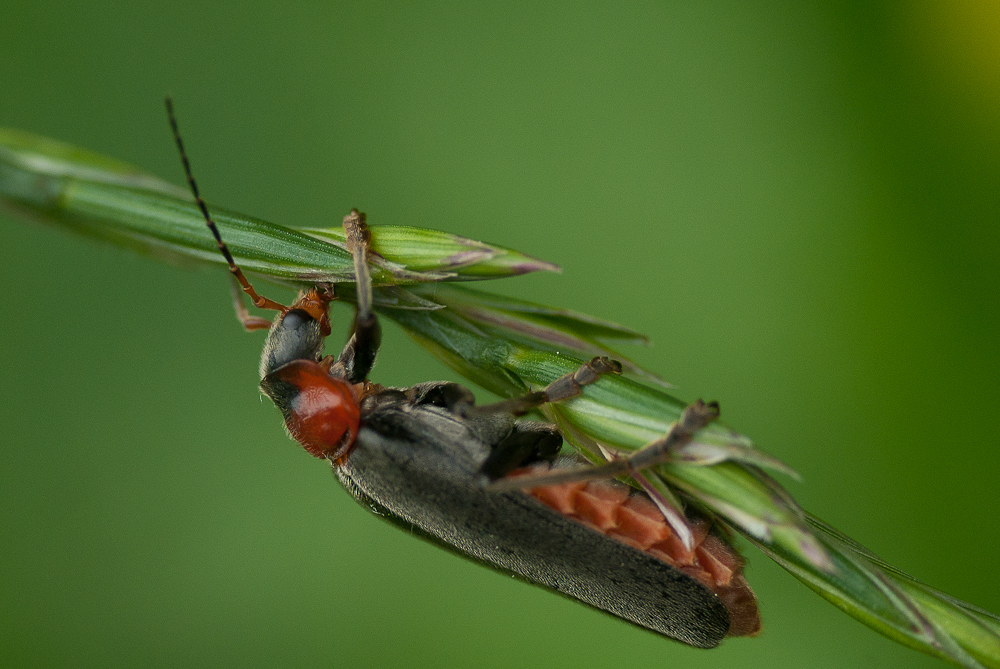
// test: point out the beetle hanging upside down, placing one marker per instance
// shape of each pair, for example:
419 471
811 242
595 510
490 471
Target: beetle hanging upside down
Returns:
424 458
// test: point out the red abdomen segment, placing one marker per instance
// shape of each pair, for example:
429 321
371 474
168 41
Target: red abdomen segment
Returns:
612 508
324 414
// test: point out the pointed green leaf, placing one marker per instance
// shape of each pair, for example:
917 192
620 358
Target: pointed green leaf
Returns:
101 197
538 326
698 453
423 250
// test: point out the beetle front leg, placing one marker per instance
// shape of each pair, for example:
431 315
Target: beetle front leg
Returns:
358 357
249 322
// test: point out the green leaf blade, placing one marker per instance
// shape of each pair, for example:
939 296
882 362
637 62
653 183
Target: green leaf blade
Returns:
97 196
896 605
507 346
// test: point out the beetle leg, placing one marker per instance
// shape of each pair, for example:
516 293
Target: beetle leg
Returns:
249 322
358 356
451 396
563 388
695 417
528 442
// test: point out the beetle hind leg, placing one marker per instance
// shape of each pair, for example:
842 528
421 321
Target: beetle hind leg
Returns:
527 443
695 416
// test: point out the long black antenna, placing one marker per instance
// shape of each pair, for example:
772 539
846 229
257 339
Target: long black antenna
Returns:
258 300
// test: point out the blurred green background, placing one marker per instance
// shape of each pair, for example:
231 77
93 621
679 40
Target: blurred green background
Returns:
798 201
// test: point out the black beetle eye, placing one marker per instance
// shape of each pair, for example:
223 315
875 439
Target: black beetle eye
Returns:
294 319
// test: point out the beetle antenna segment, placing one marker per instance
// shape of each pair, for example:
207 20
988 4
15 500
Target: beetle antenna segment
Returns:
258 300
